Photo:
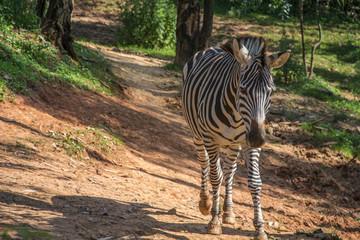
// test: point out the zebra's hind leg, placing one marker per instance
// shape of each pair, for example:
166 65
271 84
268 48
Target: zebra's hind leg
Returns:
229 171
216 177
254 184
205 201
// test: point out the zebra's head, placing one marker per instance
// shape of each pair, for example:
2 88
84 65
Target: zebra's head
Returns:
255 84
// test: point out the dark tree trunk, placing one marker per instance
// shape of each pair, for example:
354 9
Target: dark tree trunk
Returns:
206 29
56 25
187 30
317 43
40 8
302 35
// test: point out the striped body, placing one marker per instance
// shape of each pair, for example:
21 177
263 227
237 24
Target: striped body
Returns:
226 96
209 100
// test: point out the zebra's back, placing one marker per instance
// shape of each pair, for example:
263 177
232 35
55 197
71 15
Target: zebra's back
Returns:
209 96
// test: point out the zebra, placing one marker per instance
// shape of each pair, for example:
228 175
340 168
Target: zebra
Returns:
225 98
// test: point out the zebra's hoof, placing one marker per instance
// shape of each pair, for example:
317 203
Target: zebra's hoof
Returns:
228 218
205 206
261 236
214 228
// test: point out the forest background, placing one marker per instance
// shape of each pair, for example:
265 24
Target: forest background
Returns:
41 47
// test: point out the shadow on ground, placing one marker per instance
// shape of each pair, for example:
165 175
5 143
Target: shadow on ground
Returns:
94 218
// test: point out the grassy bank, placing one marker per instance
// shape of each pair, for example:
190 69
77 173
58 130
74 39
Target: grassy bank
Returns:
28 60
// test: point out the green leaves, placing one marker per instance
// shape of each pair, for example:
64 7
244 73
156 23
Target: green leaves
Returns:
147 23
346 141
23 232
19 13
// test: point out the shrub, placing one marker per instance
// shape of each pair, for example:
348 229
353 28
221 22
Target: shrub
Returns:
293 71
148 23
19 13
238 8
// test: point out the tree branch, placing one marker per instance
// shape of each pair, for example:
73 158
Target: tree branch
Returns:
311 74
301 11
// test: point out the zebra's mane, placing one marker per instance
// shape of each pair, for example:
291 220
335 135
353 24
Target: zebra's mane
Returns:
256 45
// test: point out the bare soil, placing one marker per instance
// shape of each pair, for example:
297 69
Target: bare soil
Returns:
148 187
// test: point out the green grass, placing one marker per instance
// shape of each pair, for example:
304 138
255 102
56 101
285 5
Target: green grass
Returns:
23 232
345 141
75 141
102 141
72 146
27 60
173 67
164 53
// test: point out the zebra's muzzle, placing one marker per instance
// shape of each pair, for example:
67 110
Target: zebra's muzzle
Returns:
257 135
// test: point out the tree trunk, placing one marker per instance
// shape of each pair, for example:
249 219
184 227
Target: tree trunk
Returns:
40 8
206 29
302 35
187 30
56 25
317 43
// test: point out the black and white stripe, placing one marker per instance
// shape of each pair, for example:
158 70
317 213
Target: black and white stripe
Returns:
225 98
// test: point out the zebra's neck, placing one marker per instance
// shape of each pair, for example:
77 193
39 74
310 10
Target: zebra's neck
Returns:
231 91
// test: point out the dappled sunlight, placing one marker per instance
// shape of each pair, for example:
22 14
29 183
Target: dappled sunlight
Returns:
99 149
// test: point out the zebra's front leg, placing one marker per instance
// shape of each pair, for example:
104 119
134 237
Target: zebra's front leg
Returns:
205 201
216 177
229 171
254 183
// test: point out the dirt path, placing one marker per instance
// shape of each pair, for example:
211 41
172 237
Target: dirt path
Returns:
148 187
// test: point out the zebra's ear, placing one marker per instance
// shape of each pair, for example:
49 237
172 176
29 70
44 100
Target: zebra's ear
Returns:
241 53
276 60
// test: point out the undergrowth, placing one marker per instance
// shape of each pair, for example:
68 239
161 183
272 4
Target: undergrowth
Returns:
346 141
147 23
27 60
23 232
167 52
77 142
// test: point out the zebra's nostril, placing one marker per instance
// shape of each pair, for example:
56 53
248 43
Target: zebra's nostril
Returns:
256 142
256 136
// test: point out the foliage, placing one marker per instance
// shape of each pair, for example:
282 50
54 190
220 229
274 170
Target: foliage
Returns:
348 10
292 71
167 52
280 7
147 23
242 7
23 232
173 67
346 141
104 142
239 8
27 60
76 142
333 11
71 145
18 13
